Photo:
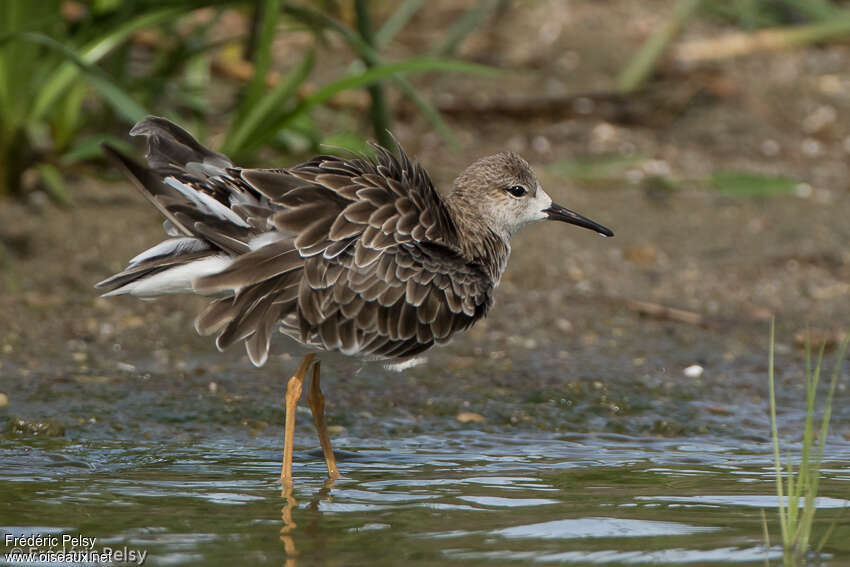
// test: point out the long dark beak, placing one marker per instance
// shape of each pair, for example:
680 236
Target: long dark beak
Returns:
559 213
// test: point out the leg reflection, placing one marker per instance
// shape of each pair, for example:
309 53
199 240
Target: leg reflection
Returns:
287 530
289 504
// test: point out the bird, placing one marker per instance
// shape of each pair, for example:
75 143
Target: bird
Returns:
360 254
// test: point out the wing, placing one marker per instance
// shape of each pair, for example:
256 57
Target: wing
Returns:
381 275
412 296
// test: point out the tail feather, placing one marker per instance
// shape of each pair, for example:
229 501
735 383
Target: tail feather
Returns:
147 268
172 149
149 184
222 243
150 282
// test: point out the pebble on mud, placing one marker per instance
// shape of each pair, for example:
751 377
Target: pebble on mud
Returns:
469 417
694 371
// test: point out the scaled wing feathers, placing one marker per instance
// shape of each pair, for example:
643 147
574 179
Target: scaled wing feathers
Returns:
356 255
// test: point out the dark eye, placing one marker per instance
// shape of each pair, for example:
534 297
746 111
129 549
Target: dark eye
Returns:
517 190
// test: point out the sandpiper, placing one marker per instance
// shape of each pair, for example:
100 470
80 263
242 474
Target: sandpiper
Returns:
357 255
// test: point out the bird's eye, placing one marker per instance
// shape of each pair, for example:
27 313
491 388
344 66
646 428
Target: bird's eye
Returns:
517 190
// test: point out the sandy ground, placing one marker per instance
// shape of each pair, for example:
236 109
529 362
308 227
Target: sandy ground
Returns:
566 348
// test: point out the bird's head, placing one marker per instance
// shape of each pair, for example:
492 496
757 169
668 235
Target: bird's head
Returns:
504 192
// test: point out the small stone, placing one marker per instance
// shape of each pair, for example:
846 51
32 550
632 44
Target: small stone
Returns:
770 148
469 417
819 119
657 168
803 190
4 400
212 387
694 371
541 145
810 147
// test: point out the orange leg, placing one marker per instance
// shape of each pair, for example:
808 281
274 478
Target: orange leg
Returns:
317 406
293 392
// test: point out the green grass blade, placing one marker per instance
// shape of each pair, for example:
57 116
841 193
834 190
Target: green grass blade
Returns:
267 107
65 121
830 529
428 110
262 61
414 65
774 431
368 53
797 524
463 26
53 183
642 64
793 504
321 20
119 100
812 379
827 415
818 10
363 79
827 412
93 52
602 169
378 110
766 535
89 147
405 11
23 65
748 184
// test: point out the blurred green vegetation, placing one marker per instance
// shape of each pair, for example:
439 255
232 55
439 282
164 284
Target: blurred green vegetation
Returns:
792 22
753 14
76 73
141 56
603 169
748 184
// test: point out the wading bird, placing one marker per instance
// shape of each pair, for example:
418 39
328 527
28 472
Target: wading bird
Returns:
357 255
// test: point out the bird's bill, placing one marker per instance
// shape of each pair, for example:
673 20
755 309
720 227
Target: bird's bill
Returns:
559 213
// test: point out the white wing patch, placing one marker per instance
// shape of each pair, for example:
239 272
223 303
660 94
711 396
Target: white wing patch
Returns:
206 203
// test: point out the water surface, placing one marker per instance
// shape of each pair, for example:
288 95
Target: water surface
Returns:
470 498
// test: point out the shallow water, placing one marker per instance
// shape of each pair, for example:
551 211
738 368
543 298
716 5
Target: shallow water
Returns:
470 498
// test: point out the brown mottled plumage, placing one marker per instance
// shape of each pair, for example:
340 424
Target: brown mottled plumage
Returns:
361 256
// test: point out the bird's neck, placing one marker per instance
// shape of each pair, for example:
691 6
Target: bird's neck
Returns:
476 241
